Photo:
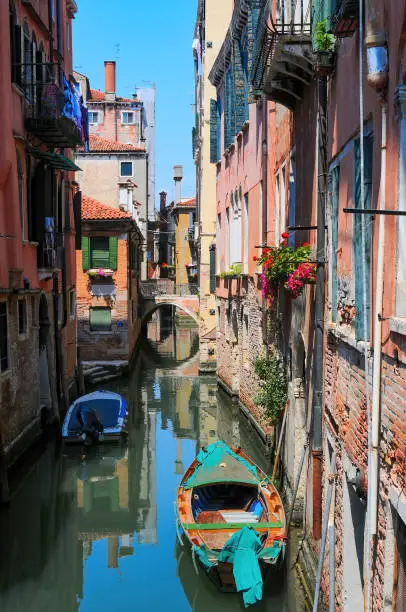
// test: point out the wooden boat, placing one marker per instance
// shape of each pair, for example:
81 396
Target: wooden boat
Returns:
225 494
111 411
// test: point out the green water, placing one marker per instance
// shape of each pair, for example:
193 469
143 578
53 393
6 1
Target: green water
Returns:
97 533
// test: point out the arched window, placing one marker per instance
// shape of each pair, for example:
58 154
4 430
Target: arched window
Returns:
15 45
20 178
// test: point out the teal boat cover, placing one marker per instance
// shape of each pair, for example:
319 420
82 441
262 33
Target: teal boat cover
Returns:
218 463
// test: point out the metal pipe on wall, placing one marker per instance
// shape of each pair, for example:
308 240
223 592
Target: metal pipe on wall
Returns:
318 359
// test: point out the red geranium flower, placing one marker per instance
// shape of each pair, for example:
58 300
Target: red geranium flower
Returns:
306 244
255 258
284 242
164 265
285 235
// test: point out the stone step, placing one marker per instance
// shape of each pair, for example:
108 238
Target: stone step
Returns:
103 378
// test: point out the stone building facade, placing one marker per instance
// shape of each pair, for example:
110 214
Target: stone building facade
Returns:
37 229
324 171
108 273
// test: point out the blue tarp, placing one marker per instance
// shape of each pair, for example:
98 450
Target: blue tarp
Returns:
218 463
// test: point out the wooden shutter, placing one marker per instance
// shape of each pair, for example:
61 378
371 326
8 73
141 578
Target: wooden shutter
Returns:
100 319
357 236
113 242
85 253
77 213
213 269
334 188
214 145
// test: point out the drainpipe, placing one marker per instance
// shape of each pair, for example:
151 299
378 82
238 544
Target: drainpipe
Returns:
318 360
377 76
264 201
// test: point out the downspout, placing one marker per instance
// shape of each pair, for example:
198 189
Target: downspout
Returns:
377 76
318 360
264 237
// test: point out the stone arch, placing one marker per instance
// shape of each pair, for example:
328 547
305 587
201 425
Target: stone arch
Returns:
155 307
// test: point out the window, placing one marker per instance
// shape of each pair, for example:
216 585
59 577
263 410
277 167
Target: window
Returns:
20 178
360 331
126 168
4 356
213 269
100 252
227 241
72 304
292 199
100 319
246 234
235 241
333 199
22 317
280 201
128 117
93 118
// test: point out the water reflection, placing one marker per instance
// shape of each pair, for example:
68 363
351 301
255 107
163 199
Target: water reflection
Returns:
97 532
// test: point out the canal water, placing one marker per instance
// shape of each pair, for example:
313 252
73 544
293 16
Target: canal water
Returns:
97 533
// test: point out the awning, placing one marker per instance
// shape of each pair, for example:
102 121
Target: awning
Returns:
55 160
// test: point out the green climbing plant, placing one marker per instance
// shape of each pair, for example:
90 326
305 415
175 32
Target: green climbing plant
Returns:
272 394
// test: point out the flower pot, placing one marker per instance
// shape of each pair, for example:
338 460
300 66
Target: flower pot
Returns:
325 61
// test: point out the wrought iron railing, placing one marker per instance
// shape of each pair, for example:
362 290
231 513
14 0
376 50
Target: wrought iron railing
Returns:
50 251
153 288
51 105
290 19
345 17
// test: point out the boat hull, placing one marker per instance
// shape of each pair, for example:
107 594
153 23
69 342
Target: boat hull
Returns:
112 409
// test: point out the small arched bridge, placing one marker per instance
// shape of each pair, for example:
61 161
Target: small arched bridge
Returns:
164 292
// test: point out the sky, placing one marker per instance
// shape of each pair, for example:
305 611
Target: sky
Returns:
151 42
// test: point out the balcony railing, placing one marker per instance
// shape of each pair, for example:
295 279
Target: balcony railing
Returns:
282 59
345 18
50 251
52 112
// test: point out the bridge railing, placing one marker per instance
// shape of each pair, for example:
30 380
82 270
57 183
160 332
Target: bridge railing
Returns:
188 289
156 287
165 286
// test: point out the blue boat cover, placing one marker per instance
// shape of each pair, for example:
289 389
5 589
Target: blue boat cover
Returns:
218 463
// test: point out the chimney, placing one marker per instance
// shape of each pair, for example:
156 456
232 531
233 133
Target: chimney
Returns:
110 80
177 177
162 200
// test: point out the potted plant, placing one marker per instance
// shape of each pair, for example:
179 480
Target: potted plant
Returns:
324 46
100 273
233 272
281 264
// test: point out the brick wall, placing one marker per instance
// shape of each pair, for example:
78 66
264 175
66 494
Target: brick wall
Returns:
345 415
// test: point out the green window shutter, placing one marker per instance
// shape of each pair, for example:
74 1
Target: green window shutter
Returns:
85 253
213 269
334 188
214 145
100 319
357 235
113 242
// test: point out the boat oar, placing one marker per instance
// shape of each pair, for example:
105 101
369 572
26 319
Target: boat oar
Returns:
275 465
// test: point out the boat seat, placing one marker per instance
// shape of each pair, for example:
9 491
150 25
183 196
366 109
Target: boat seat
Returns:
239 516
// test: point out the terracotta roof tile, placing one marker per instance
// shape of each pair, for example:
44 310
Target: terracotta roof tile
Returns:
92 210
98 96
104 145
189 202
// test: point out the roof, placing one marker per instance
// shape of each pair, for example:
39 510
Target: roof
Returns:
93 210
99 96
97 144
187 203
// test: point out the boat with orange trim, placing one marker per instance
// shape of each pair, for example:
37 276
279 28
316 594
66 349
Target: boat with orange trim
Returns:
233 517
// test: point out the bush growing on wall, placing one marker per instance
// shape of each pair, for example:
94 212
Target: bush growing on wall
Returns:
272 394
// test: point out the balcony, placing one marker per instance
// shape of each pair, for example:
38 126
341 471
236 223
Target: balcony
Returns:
52 113
345 18
191 234
50 254
283 60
